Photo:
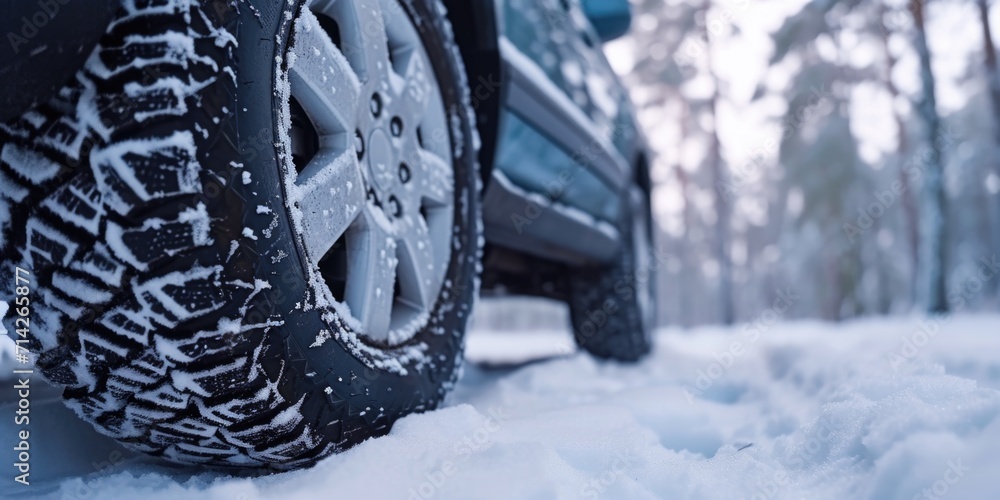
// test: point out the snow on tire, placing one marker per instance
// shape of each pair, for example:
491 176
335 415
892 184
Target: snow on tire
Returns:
611 307
173 300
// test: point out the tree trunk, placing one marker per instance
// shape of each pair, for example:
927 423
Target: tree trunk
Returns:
717 169
688 299
908 204
932 203
993 81
992 76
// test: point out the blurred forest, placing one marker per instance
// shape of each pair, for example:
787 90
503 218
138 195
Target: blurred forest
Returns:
837 157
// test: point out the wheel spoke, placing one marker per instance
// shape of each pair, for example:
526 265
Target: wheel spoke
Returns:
417 93
371 273
419 278
322 79
435 181
331 193
364 40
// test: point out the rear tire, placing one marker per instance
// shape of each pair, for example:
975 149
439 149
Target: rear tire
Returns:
612 307
172 296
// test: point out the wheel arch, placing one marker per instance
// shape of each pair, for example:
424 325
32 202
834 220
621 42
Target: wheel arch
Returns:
476 27
47 43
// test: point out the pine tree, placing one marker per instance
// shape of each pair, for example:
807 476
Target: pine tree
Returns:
932 198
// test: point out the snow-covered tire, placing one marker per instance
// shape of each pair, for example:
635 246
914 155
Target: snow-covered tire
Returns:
171 294
612 307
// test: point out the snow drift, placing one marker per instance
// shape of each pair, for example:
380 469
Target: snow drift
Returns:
897 409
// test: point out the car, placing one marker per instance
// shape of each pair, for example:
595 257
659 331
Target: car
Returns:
251 234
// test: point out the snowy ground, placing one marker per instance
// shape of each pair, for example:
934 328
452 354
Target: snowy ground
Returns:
870 409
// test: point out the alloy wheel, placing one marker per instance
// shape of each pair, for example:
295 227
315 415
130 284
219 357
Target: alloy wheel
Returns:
372 152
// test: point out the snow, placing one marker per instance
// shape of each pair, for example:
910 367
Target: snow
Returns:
321 338
78 288
180 92
11 189
166 310
190 381
182 53
802 410
200 223
29 164
114 160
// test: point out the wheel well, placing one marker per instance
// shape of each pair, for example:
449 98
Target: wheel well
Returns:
65 32
477 33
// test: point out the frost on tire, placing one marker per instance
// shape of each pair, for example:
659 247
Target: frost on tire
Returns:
169 299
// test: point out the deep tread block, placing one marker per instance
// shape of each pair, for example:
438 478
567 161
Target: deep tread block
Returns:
116 194
131 173
79 202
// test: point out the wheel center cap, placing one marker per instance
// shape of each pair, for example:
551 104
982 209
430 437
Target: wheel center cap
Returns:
380 158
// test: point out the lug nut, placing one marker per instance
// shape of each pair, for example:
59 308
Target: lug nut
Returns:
404 173
376 105
395 207
396 126
359 144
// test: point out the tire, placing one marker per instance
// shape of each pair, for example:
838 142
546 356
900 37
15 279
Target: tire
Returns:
174 294
612 307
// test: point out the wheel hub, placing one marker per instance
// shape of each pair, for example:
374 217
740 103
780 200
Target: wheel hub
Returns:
377 199
379 161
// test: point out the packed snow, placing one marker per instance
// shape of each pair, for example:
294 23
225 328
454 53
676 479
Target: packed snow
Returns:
893 408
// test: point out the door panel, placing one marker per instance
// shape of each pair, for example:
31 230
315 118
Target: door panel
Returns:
565 144
589 121
557 36
533 163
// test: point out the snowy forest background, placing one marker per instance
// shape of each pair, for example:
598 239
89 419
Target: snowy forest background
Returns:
839 157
